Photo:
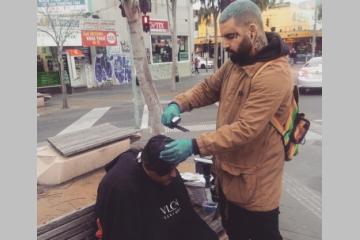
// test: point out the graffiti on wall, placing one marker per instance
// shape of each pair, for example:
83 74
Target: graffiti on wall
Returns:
112 66
122 69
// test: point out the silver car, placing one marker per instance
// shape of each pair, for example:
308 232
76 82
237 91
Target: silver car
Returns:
203 63
310 75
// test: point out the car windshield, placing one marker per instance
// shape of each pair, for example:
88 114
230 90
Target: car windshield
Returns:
314 62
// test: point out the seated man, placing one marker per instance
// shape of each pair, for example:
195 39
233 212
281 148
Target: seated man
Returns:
144 198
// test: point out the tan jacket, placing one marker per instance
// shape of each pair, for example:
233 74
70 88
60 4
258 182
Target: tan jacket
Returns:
248 152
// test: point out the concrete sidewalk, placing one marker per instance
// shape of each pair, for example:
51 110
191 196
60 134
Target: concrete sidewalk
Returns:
116 94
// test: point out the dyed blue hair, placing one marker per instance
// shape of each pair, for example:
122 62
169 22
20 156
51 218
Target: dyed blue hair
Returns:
245 12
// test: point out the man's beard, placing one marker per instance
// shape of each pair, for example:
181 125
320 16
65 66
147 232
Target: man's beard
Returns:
242 55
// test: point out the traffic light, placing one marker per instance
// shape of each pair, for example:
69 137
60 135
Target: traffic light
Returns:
146 23
224 4
145 6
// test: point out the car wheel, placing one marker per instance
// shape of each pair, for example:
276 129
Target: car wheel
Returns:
301 90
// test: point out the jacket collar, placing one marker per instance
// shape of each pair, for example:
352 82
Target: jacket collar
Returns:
250 70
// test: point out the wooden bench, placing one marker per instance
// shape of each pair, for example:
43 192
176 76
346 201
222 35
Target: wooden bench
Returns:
73 226
81 225
72 154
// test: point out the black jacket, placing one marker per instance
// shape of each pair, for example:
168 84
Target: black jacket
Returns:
133 207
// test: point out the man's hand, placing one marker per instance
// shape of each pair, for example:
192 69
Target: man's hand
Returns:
169 113
177 151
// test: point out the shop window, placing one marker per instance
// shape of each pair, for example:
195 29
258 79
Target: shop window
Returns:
183 48
162 48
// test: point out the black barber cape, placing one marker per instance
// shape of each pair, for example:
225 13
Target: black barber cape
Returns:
131 206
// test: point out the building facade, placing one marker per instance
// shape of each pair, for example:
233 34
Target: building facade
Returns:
99 50
295 24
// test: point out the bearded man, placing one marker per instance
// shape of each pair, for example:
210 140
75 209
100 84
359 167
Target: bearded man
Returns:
252 87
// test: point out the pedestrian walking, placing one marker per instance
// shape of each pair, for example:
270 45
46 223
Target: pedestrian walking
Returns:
196 65
292 55
248 153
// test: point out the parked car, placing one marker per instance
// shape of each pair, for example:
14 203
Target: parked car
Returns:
203 64
310 75
302 57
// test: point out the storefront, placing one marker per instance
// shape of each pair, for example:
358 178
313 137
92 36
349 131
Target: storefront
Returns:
75 59
302 41
159 51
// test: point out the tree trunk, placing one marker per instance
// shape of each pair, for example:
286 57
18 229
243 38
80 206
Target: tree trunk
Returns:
63 87
174 51
216 45
142 68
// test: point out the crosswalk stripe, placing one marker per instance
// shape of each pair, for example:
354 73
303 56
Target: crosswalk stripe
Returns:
86 121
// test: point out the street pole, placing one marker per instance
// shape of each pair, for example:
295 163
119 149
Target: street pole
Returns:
208 48
314 32
221 53
133 87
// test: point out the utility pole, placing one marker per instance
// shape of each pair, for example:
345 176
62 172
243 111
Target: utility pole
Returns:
314 31
208 47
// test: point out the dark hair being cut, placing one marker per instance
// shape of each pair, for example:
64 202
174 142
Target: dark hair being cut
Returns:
150 155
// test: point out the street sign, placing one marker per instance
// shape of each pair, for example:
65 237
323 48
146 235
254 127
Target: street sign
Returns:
98 33
98 38
159 25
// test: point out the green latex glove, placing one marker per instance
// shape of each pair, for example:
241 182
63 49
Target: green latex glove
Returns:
177 151
169 113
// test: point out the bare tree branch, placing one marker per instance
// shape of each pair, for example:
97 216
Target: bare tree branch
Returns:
47 32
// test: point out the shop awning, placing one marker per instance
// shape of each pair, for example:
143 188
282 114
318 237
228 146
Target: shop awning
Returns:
300 34
75 52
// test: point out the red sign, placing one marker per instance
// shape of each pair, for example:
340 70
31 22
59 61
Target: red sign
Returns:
159 25
75 52
98 38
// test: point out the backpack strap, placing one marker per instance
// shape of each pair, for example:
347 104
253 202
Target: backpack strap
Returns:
275 121
261 68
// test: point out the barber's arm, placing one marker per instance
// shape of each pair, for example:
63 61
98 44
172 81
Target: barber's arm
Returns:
268 91
204 93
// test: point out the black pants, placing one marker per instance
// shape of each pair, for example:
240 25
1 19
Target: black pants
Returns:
242 224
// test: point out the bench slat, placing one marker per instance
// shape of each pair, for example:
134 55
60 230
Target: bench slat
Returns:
87 235
69 144
67 227
86 226
65 219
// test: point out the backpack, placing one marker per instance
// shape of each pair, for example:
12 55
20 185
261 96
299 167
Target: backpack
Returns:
296 125
295 128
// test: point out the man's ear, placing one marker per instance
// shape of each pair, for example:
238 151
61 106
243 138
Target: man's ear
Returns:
253 31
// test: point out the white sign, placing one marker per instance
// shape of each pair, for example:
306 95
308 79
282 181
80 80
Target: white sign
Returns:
63 6
97 24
